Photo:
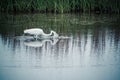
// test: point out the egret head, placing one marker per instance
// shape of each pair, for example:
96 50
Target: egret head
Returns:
54 34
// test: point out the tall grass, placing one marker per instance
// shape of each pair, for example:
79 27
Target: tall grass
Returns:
60 6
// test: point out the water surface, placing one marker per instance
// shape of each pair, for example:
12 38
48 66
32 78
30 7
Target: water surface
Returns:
88 49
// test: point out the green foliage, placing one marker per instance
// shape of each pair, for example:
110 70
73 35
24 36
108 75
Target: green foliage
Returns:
60 6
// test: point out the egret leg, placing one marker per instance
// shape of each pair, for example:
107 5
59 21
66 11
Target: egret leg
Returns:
35 37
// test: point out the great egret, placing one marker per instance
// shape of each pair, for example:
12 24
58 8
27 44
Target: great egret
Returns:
38 33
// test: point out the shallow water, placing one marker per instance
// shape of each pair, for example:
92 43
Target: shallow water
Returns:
88 47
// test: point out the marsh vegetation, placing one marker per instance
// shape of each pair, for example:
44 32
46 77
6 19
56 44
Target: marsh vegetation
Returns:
60 6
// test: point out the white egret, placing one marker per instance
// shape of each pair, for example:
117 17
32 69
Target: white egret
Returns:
39 33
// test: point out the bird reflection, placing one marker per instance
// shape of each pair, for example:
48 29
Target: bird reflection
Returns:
39 42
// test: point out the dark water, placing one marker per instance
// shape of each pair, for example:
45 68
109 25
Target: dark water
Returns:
88 49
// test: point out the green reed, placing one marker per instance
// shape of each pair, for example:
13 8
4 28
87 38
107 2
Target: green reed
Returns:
60 6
